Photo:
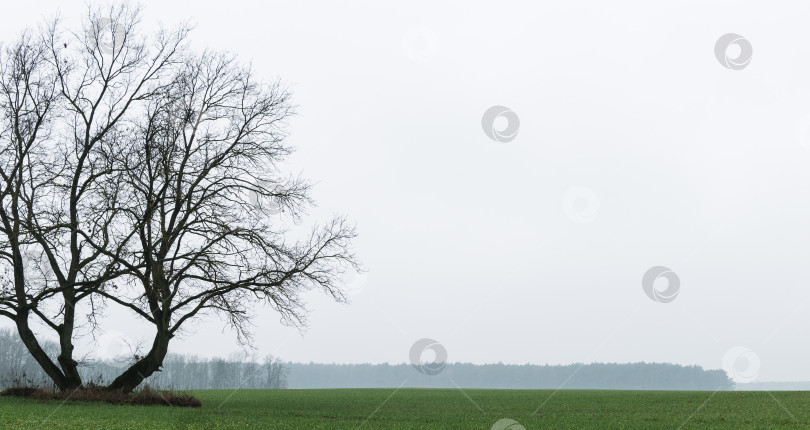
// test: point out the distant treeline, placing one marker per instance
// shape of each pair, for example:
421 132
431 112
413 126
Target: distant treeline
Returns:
188 372
634 376
180 372
774 386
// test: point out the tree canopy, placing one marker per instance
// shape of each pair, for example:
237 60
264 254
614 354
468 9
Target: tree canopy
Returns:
139 174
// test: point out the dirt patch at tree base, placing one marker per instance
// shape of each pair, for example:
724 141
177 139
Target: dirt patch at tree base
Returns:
146 396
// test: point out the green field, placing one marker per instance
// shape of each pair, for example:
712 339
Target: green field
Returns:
429 409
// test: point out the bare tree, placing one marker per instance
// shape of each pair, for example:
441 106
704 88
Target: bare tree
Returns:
66 97
204 190
140 175
28 97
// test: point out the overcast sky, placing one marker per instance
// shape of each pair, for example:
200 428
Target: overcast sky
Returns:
637 147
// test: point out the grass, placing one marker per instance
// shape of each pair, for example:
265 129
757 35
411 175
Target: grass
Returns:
427 409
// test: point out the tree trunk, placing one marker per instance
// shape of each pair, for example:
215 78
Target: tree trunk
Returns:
66 361
146 366
30 341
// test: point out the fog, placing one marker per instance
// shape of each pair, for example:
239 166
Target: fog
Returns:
637 147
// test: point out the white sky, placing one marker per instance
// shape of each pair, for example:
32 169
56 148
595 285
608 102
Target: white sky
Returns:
694 166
